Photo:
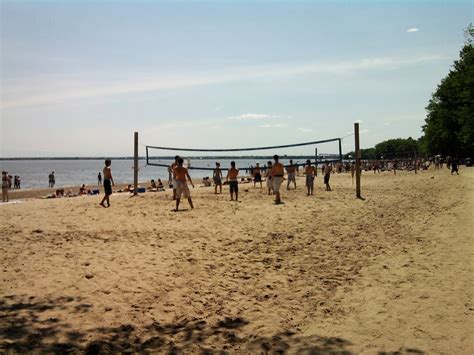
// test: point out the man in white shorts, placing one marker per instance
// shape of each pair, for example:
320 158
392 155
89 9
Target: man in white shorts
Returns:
291 170
277 178
180 174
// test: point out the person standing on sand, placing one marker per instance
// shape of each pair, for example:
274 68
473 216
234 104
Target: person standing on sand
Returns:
51 179
172 180
257 175
233 184
180 174
277 178
268 175
291 170
327 175
99 179
217 177
310 171
6 182
454 166
108 183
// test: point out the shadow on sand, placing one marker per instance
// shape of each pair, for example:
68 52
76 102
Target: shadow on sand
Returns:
25 327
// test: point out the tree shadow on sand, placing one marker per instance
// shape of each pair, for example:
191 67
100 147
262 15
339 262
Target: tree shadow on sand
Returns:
25 327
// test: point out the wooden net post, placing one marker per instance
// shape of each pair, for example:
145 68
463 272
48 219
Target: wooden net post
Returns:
357 158
135 164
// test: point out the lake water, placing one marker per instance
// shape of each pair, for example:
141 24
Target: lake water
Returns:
34 173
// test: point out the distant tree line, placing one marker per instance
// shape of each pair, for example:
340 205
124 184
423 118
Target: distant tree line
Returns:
449 125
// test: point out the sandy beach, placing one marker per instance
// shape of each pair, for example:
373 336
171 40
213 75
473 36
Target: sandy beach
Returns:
393 273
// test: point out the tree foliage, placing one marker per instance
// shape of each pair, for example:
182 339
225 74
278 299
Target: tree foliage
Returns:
399 148
449 126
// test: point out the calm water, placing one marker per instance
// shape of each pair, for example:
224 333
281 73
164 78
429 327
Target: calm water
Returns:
34 173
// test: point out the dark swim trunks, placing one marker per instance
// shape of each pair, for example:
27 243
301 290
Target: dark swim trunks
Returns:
107 187
326 178
234 186
258 178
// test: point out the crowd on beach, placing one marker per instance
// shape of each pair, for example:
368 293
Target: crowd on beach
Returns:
272 174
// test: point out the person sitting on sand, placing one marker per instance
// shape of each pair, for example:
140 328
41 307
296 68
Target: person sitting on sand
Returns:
160 186
310 172
217 177
278 171
206 181
152 187
233 181
291 170
268 175
257 175
180 174
83 190
108 183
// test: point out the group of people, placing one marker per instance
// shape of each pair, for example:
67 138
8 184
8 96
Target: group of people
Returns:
274 174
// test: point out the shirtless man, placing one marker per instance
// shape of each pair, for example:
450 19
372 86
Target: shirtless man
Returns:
257 175
327 175
172 180
233 183
277 178
291 170
309 171
217 177
268 175
180 174
108 183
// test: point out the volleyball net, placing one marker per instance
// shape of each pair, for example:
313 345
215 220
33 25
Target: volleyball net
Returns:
318 152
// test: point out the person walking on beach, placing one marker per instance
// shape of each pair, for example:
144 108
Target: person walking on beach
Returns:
327 175
309 171
217 177
6 182
52 180
353 169
99 179
454 166
277 178
108 183
268 175
180 173
291 170
233 183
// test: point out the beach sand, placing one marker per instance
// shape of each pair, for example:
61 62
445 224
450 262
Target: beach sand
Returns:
323 274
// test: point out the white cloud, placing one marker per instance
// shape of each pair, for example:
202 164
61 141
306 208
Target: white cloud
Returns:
305 130
413 29
358 121
276 125
251 117
55 90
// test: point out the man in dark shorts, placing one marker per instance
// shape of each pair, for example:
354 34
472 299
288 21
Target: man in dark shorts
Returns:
108 183
327 175
217 177
454 166
233 183
257 175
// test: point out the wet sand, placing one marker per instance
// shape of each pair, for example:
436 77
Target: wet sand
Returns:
327 273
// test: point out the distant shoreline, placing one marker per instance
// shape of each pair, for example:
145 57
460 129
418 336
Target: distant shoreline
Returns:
168 157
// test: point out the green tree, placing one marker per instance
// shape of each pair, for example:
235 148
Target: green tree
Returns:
449 126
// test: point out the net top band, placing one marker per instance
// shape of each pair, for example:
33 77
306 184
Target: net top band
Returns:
244 149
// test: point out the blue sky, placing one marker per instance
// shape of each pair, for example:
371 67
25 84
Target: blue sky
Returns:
79 77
